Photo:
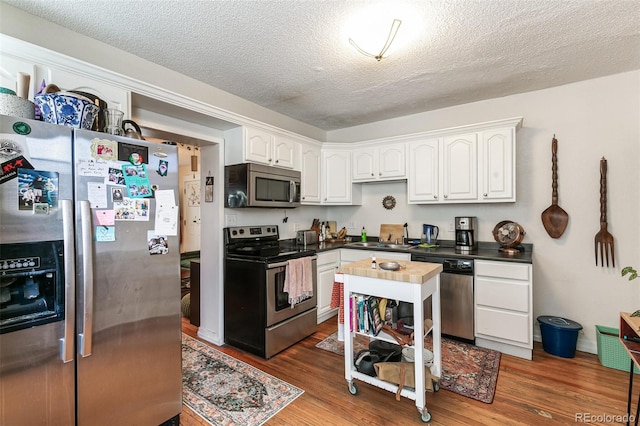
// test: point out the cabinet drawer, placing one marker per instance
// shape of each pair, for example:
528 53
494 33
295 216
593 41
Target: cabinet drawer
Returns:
516 271
504 294
505 325
329 258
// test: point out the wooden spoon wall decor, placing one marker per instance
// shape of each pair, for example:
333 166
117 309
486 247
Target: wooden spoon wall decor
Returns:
554 218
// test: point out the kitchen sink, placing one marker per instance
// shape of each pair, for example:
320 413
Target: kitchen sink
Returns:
398 246
367 244
380 245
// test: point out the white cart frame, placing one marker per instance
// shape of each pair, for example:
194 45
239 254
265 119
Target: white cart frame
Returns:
406 292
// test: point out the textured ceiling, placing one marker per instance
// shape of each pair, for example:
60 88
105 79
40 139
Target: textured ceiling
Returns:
293 56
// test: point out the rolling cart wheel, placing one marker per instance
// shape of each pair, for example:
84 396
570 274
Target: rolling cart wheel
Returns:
353 388
425 417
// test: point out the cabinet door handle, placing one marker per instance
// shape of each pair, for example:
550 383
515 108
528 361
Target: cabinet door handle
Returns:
371 174
445 196
435 196
277 161
379 174
485 194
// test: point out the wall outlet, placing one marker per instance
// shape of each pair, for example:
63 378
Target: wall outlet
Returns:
350 225
452 227
230 220
296 226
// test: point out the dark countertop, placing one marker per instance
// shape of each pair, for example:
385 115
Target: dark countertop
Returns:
485 251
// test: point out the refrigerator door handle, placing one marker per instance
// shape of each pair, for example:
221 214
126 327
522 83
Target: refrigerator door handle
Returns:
84 338
66 342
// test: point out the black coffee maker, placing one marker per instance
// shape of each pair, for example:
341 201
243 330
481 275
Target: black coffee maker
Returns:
466 229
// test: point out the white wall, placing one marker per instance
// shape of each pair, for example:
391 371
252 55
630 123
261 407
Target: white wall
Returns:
590 119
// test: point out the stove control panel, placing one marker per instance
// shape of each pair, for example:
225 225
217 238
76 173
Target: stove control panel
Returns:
252 232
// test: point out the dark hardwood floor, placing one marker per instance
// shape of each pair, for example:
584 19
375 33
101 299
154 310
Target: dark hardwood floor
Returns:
547 390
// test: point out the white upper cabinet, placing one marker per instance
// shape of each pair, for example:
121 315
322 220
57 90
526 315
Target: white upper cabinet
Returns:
460 167
475 166
443 170
249 144
497 164
336 178
259 146
376 163
114 95
310 160
284 152
423 182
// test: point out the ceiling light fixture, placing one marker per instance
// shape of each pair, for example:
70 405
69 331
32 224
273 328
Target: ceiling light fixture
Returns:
392 35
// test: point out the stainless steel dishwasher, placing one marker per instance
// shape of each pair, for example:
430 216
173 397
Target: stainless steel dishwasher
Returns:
456 296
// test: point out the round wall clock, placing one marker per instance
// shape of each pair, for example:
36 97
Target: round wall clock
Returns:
388 202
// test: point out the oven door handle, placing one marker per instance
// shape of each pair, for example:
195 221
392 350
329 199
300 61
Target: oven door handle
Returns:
281 264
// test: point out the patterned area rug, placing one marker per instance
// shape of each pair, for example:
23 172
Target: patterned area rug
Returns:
226 391
467 370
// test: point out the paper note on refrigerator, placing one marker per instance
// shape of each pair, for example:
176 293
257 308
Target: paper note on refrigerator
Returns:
97 194
166 212
105 217
166 220
165 197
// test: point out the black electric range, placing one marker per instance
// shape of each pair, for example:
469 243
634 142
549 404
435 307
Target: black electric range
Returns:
259 317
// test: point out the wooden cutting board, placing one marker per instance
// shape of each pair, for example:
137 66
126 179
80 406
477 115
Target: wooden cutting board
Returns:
410 272
396 232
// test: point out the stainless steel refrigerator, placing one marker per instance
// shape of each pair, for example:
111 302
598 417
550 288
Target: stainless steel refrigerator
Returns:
89 278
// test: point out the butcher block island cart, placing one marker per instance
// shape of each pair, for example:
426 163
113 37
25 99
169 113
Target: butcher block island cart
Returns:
413 283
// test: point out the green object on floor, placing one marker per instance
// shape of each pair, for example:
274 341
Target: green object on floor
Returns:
611 353
185 305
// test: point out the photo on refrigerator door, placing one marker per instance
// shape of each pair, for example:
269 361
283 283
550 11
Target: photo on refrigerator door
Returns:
158 244
14 155
37 190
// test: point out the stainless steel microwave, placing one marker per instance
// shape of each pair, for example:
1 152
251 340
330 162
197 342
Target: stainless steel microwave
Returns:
256 185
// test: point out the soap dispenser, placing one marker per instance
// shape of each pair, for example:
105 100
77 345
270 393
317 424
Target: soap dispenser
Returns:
363 235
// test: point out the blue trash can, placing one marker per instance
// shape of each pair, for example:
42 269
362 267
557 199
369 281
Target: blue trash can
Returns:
559 335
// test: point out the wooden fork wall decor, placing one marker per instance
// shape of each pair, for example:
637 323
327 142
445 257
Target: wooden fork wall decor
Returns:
603 239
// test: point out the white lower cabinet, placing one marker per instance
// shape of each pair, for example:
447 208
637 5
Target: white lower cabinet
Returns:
328 264
504 307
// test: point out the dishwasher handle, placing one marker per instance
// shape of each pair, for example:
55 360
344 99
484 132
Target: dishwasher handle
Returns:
449 266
